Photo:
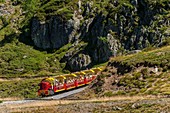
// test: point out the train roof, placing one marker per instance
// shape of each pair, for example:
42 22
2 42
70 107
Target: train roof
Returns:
75 74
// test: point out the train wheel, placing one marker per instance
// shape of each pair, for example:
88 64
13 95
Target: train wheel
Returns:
51 92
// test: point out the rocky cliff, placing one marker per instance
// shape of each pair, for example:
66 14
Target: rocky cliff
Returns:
108 27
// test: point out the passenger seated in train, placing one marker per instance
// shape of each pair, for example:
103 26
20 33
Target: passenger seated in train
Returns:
90 76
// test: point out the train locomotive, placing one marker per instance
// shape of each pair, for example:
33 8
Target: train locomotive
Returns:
49 86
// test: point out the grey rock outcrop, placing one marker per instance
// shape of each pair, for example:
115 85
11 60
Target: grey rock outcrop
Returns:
53 34
108 32
79 62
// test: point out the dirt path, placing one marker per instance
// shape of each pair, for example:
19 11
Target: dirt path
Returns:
84 106
54 102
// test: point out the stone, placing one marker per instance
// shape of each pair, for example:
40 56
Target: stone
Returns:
79 62
131 28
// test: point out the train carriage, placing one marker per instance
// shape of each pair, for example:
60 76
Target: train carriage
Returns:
49 86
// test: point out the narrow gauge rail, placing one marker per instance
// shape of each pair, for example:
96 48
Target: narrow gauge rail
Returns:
50 86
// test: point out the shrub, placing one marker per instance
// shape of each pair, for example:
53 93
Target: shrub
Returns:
108 94
103 39
165 68
144 71
98 89
137 75
2 1
121 92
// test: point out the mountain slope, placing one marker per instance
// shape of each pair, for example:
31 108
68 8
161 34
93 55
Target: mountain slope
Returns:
109 28
141 74
144 73
45 38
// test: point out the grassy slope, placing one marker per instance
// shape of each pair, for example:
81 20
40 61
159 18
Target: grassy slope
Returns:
24 62
20 60
19 88
159 57
133 75
28 65
138 77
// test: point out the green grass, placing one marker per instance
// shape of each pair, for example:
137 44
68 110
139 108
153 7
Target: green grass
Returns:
159 57
150 85
21 88
18 60
142 78
56 7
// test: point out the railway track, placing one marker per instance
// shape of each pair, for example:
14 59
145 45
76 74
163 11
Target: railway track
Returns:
54 97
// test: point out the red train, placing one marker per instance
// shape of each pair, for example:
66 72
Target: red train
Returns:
49 86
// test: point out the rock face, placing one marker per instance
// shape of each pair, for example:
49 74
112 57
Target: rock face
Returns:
53 34
109 31
102 44
79 62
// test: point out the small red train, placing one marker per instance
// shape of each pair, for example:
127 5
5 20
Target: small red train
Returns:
49 86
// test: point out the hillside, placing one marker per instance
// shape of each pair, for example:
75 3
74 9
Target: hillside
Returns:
50 37
142 74
129 83
106 28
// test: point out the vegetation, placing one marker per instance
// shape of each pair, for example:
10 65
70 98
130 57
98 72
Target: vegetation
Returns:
142 79
151 85
22 88
158 57
18 59
113 105
2 1
24 62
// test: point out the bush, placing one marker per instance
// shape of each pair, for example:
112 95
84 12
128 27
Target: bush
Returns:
98 89
144 71
137 75
165 68
2 1
108 94
120 92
